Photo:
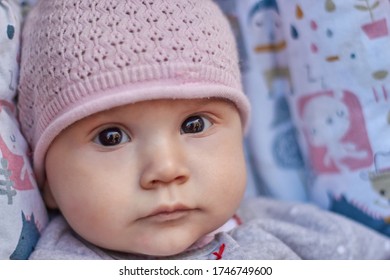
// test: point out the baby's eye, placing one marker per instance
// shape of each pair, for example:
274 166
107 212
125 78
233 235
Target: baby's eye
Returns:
111 136
195 124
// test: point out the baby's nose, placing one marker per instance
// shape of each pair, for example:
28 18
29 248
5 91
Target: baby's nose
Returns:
166 165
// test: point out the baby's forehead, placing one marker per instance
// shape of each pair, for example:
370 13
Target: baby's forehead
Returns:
149 107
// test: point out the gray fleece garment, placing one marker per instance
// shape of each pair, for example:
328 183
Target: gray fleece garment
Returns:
270 230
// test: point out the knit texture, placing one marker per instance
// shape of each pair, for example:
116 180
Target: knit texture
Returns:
80 57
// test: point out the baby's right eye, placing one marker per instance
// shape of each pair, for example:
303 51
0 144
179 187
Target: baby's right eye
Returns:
111 136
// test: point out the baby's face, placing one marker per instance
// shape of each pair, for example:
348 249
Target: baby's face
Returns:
151 177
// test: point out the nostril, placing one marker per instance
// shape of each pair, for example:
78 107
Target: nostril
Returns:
161 181
181 179
178 180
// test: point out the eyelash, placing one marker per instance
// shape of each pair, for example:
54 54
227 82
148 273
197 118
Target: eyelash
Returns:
114 135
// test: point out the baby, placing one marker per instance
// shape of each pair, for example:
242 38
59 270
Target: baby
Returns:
135 113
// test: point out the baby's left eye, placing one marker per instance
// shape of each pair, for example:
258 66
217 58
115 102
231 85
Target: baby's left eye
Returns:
195 124
111 136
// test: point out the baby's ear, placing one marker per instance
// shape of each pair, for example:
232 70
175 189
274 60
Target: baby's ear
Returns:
48 196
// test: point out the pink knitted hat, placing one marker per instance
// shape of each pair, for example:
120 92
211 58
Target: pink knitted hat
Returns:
80 57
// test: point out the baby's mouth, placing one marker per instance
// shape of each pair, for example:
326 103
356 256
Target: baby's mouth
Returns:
168 213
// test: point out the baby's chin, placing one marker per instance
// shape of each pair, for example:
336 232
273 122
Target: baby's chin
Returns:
167 249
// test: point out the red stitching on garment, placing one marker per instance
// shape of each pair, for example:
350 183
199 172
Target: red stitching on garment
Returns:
237 219
220 252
